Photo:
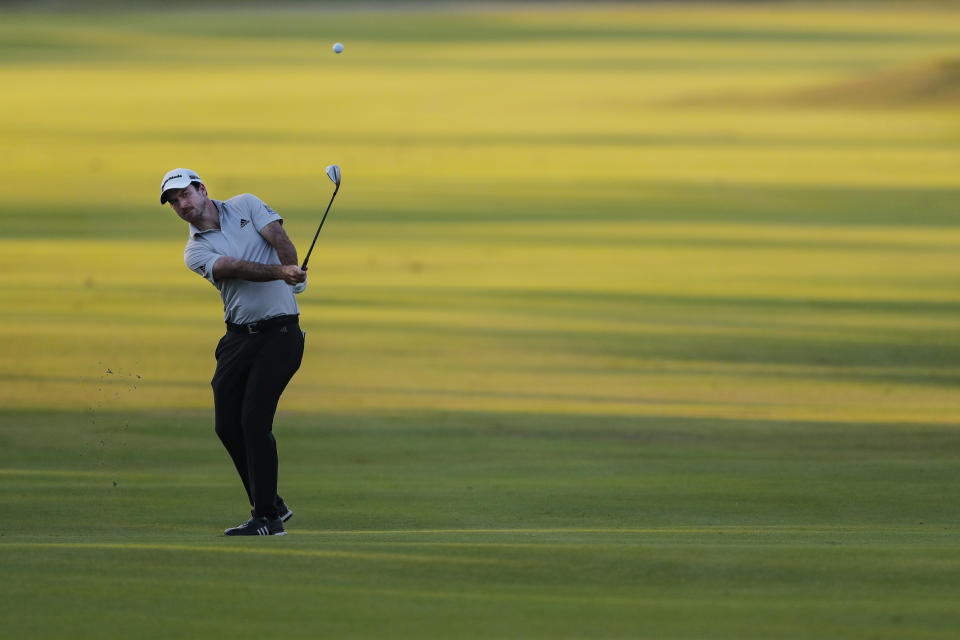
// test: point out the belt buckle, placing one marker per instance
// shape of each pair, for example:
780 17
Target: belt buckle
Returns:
252 328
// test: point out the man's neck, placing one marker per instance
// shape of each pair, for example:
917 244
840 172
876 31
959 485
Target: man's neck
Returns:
210 219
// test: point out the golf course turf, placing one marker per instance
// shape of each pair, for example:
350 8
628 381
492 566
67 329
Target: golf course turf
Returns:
627 322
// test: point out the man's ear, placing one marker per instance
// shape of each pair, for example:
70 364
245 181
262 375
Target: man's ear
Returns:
202 188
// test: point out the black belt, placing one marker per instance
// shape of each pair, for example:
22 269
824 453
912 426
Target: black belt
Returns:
262 325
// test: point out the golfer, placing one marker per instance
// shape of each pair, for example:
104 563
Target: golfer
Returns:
239 245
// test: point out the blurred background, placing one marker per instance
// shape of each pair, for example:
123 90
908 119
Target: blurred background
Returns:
719 209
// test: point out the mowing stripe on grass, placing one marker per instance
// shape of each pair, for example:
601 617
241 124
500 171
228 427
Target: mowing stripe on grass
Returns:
751 529
312 553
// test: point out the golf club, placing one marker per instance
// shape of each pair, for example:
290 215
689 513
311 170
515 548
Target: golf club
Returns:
333 172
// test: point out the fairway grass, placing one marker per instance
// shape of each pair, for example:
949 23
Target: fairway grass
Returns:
478 525
607 335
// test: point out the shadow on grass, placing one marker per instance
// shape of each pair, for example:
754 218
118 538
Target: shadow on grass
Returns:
417 470
597 202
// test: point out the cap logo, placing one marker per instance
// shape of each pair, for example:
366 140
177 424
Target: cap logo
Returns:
179 175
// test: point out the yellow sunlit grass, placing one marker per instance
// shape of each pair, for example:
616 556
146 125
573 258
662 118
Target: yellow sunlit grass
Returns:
541 284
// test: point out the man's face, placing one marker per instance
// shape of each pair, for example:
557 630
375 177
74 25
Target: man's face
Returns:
188 202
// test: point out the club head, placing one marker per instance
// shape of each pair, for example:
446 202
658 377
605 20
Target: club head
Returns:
333 172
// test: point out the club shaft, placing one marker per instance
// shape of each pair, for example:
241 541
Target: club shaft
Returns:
317 234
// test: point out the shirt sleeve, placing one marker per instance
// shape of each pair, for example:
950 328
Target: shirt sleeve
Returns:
260 212
200 258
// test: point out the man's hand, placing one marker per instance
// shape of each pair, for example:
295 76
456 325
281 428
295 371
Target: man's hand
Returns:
300 287
293 274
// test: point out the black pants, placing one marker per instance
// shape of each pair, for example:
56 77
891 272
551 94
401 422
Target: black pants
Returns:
252 372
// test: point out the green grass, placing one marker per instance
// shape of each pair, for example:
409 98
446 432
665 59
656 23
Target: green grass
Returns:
593 350
487 524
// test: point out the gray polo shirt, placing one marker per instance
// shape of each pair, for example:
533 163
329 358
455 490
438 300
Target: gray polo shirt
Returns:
241 219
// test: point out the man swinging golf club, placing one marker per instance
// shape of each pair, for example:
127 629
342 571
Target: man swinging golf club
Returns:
240 246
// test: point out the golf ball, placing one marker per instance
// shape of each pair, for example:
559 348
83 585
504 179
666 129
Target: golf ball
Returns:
337 48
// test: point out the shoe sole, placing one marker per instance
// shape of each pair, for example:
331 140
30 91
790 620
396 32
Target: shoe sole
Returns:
240 535
286 516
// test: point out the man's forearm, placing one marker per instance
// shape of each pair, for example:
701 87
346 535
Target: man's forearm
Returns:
286 252
274 234
227 267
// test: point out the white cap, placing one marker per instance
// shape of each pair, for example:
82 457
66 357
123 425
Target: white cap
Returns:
177 179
